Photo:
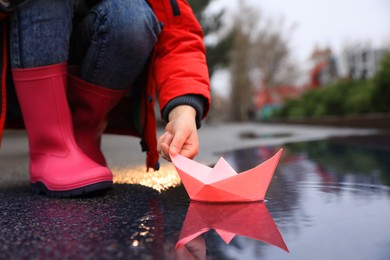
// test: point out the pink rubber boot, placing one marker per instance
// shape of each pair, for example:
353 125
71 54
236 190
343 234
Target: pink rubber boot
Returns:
58 167
90 105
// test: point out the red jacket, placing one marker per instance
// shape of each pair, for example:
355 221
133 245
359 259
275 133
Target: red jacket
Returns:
177 67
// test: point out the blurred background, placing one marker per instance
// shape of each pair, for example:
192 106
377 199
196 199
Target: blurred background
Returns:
298 61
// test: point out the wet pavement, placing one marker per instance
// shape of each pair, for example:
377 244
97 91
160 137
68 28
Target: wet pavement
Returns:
329 199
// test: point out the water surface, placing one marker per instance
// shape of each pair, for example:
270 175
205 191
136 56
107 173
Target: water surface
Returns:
327 200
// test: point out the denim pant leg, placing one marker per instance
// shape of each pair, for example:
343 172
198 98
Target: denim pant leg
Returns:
40 32
113 42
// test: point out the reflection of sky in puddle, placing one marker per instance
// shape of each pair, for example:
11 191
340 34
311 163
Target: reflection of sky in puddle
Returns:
329 200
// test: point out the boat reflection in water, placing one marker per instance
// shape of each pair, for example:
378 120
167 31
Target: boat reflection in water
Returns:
251 220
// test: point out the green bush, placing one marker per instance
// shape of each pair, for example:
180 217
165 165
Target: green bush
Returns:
343 97
360 100
381 89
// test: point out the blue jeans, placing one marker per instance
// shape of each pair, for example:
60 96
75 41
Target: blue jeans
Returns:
110 41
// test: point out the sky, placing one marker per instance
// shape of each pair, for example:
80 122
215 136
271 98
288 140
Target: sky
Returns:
324 23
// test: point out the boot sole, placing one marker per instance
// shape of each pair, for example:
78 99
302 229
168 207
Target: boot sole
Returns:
90 190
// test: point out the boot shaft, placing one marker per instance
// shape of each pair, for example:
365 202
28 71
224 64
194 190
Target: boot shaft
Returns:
42 96
90 105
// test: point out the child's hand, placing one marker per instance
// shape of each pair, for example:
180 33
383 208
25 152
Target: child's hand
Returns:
181 135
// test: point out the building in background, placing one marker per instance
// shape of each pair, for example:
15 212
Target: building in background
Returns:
362 62
356 62
324 68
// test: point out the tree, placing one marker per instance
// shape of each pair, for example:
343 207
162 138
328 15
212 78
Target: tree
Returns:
241 92
217 54
260 48
271 55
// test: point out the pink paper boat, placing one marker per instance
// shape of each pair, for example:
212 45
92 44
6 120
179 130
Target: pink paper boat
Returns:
222 183
245 219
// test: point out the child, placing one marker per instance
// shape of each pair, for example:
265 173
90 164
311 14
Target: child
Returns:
73 61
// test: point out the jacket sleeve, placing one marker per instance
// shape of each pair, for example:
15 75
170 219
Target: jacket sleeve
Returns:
179 62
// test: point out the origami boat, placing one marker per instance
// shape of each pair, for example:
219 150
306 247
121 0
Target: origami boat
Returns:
222 183
251 220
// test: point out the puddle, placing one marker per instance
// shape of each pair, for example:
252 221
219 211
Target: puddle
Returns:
327 200
330 199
